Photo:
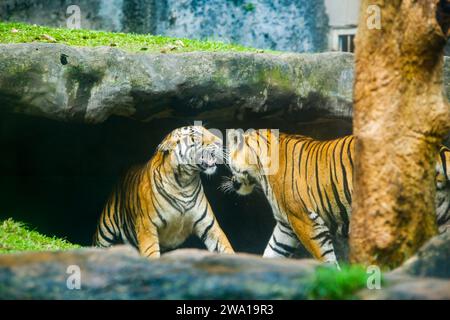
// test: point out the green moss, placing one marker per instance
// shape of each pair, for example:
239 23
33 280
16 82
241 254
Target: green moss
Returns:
249 7
24 33
276 77
16 236
330 283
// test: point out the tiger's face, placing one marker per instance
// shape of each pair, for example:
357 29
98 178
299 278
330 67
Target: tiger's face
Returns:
243 163
194 148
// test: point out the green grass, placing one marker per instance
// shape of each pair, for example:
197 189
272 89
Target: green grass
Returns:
330 283
16 236
24 33
249 7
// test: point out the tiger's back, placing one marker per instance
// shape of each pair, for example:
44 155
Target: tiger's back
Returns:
323 175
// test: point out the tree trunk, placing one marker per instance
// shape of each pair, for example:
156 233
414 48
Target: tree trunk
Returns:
400 118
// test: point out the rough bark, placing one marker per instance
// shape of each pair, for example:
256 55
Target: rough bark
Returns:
400 117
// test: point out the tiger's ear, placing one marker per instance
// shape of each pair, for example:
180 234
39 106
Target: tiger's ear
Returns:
168 144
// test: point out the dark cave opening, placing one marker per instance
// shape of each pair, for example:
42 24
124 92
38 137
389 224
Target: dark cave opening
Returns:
56 176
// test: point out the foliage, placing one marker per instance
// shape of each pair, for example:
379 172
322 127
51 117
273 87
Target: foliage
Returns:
16 236
249 7
24 33
330 283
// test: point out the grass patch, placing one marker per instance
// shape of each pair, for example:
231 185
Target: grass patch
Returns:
16 237
11 32
249 7
330 283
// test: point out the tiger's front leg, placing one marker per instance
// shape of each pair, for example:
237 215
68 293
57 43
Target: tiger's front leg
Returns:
283 242
208 230
148 240
315 236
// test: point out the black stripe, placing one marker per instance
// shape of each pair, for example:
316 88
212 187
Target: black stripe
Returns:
288 233
299 168
106 225
216 248
155 198
342 210
283 194
284 224
349 152
304 206
320 235
284 246
318 186
161 190
149 247
104 237
202 217
325 240
284 254
444 163
205 233
344 173
148 255
310 192
117 212
331 216
327 252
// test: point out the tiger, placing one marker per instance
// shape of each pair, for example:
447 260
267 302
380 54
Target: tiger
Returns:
310 193
443 189
158 205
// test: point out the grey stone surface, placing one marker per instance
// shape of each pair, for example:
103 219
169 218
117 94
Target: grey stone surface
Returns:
119 273
413 288
91 84
425 276
432 260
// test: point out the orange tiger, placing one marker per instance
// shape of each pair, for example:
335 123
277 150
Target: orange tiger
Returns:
311 191
158 205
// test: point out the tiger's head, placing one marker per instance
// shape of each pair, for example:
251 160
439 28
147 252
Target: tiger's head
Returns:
249 158
194 148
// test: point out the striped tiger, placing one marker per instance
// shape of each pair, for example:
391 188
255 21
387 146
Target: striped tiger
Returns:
311 192
158 205
443 189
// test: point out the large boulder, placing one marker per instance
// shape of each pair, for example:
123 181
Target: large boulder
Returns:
432 260
410 288
426 275
90 84
120 273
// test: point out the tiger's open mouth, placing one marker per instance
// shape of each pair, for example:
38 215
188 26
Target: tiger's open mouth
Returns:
241 185
208 160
